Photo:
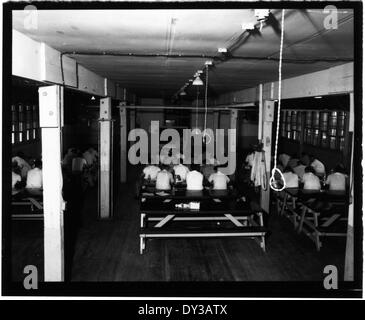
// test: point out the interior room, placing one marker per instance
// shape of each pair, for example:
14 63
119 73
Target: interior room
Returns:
253 102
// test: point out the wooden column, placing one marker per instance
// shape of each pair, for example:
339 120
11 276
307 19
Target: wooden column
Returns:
349 256
267 119
261 108
105 158
233 145
123 142
50 116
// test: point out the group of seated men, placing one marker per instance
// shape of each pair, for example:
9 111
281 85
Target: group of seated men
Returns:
310 172
194 176
83 164
26 174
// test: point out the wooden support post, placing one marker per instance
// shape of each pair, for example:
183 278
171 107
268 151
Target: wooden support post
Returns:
123 142
216 120
267 119
232 144
105 147
261 108
349 256
50 117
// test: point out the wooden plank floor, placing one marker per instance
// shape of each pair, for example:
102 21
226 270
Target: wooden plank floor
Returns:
109 251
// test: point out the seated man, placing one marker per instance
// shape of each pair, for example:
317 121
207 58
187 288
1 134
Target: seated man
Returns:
291 179
78 163
284 159
180 172
22 164
318 166
164 179
194 179
34 182
310 180
293 162
337 180
90 155
218 179
150 172
305 159
15 176
300 169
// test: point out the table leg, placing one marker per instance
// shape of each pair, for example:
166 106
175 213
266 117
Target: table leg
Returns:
302 217
234 220
164 220
142 219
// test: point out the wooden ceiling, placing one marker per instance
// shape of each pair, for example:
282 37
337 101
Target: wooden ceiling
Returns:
154 52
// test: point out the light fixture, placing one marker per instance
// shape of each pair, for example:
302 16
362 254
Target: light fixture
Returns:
248 26
198 81
92 98
222 50
318 97
183 93
262 14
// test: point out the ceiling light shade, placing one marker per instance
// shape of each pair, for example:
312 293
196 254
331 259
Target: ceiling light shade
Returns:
183 93
198 81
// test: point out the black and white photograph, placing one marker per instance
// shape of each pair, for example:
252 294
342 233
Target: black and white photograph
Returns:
182 149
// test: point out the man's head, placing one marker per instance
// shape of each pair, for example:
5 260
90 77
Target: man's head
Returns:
37 164
339 168
289 169
309 169
195 167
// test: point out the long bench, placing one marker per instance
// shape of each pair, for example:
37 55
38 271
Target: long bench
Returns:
315 212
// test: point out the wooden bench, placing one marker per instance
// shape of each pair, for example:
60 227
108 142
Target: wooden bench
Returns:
319 221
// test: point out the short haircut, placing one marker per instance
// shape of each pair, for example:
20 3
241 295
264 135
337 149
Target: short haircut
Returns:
339 168
309 169
289 169
38 163
195 167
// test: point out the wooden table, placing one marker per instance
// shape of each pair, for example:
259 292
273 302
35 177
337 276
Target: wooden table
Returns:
33 199
161 217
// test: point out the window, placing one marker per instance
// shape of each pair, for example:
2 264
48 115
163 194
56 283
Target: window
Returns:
25 123
325 129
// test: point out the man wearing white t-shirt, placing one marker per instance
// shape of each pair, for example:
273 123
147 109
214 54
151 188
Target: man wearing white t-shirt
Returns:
291 179
164 179
310 180
14 179
219 180
194 180
180 172
22 164
337 180
150 172
318 166
34 176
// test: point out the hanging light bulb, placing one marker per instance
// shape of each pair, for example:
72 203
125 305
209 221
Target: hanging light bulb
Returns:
198 81
92 98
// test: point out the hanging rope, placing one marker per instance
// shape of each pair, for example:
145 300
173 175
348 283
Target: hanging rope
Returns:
206 100
273 182
196 108
206 106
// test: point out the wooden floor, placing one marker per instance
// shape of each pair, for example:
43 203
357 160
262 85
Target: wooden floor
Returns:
109 251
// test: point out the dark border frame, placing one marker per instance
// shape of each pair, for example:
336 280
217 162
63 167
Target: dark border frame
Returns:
184 289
